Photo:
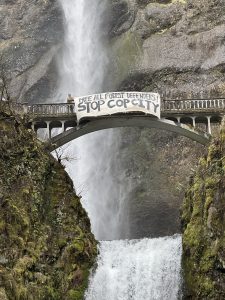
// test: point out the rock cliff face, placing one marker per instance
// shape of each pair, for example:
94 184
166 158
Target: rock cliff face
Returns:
30 36
175 48
203 223
46 247
157 166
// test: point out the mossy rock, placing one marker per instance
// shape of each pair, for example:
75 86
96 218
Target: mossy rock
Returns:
203 225
46 245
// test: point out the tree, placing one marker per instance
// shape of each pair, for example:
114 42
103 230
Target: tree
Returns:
62 154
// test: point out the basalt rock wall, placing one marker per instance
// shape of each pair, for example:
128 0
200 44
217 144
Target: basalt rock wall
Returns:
30 38
175 48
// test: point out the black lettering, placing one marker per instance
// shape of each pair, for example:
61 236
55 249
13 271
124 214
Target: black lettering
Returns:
101 102
111 105
135 102
81 106
148 104
88 106
129 95
141 104
95 105
119 103
126 101
155 107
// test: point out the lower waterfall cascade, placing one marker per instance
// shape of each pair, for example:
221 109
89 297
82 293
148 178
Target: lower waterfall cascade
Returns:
145 269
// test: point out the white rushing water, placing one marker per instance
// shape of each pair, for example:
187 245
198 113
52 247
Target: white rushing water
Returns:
84 62
83 68
146 269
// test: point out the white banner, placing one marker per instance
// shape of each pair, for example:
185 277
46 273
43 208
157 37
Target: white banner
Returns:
118 102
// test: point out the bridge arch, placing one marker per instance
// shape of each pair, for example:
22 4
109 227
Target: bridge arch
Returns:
126 121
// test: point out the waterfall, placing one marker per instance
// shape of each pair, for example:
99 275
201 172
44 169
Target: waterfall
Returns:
82 68
83 63
146 269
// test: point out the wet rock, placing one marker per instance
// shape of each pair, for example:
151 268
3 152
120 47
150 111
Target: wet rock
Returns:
31 32
122 16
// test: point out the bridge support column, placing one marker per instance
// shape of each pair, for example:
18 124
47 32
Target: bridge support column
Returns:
32 126
178 119
48 129
193 121
63 125
209 125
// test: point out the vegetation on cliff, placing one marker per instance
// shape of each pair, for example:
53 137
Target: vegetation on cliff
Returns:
46 247
203 221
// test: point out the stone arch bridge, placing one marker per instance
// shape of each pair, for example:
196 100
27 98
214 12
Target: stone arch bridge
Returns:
179 116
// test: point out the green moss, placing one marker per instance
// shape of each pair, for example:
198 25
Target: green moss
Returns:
179 1
45 239
211 182
203 162
204 228
208 199
191 235
126 49
2 225
75 295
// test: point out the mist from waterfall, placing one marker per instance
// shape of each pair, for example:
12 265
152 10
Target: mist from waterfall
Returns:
83 67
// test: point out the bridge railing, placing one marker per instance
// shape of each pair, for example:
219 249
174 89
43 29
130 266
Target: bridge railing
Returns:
66 109
56 109
193 105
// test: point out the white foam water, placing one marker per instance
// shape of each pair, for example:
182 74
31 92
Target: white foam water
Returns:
146 269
